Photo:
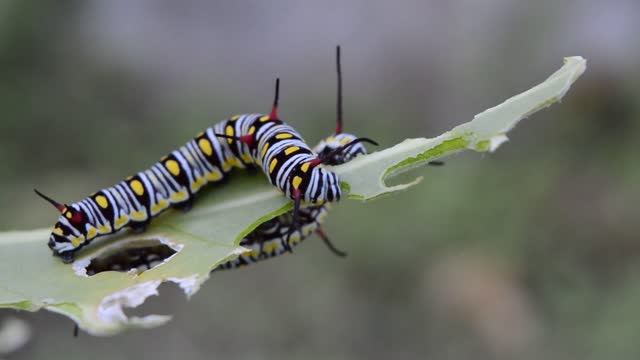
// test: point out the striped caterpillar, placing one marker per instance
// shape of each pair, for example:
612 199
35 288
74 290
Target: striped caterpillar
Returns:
271 238
243 141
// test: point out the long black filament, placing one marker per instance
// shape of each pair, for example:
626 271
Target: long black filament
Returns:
329 244
344 148
339 102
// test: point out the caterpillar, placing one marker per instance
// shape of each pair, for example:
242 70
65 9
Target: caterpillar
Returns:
278 235
271 238
245 141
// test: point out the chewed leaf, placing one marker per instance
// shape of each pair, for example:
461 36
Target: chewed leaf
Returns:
486 132
184 247
31 279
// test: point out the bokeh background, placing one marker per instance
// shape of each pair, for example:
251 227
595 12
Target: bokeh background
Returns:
531 252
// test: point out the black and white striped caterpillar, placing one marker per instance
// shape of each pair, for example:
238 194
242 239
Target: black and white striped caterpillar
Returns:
277 235
242 141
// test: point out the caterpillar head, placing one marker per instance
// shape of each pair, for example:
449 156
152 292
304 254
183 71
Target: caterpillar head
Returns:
67 234
328 149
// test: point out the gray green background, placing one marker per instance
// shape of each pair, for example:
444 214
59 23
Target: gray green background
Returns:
531 252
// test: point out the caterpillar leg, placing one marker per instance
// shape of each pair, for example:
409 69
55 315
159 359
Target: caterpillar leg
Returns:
67 257
329 244
138 227
295 223
252 170
185 205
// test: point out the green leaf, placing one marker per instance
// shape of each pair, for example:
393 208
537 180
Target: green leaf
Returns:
486 132
31 279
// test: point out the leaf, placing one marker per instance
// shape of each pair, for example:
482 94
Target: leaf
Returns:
486 132
31 279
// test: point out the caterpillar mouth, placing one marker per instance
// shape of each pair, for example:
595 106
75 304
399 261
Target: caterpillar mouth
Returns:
66 257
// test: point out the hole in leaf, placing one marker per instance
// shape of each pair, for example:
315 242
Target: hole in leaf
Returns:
137 256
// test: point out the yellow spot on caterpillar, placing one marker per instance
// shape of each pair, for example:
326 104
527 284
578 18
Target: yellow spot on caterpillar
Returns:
264 118
68 214
91 232
121 221
214 176
102 201
252 130
270 247
330 139
104 229
159 206
173 167
235 117
76 241
138 215
178 196
234 162
200 134
284 136
205 146
229 132
137 187
291 150
307 230
294 239
155 208
254 253
226 166
296 182
246 157
305 167
273 164
57 231
344 141
264 149
196 185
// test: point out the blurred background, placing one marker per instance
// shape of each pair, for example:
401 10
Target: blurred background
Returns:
531 252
